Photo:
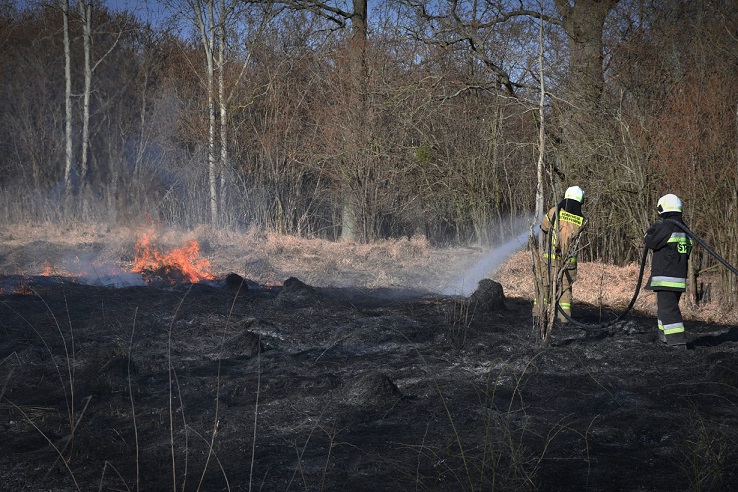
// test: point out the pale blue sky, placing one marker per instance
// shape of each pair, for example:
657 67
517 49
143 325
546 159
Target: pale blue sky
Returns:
144 9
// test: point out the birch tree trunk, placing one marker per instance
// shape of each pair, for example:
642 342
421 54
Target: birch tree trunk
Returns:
212 178
212 20
67 98
85 12
205 21
222 98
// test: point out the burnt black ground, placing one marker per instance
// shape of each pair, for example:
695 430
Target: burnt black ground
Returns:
216 387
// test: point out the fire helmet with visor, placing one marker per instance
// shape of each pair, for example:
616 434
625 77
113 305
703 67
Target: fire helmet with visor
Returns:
669 203
574 193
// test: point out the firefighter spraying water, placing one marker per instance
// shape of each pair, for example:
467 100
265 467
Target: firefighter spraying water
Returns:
554 267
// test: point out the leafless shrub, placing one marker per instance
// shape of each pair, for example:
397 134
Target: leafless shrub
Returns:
459 315
708 453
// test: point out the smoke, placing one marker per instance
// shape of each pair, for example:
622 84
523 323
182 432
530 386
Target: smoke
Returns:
88 269
112 278
467 283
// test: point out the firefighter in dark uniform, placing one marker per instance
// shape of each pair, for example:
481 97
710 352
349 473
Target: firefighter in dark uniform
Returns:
671 248
556 249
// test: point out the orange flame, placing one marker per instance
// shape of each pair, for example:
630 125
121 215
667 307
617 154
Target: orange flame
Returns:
183 261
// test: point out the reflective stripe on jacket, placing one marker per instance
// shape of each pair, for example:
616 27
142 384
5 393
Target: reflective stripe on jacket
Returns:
567 227
671 249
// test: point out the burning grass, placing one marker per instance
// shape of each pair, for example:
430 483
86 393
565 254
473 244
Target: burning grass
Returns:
182 264
269 259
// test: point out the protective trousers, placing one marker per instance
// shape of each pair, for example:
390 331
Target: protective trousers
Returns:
671 324
570 275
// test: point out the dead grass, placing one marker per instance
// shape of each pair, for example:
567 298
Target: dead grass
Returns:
607 285
408 263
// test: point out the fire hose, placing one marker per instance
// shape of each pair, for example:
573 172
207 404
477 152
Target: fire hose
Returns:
640 277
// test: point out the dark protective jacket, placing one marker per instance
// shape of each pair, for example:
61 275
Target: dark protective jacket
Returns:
568 224
671 248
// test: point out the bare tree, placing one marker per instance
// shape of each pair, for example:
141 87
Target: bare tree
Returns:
493 29
539 210
205 21
357 18
583 21
85 13
215 22
485 28
67 97
496 39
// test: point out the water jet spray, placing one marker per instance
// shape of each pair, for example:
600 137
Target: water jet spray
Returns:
467 283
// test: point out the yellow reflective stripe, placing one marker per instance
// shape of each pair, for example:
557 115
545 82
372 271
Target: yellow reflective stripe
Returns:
671 328
664 281
671 331
554 256
683 242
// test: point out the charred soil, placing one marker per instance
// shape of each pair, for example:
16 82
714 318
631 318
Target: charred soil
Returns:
231 385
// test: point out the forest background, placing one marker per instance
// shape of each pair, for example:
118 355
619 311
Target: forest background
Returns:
454 121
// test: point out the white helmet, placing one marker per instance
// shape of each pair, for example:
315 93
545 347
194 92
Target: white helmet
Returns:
574 193
669 203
